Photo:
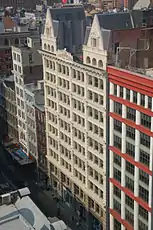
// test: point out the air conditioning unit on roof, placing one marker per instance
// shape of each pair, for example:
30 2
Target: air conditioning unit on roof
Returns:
6 198
144 24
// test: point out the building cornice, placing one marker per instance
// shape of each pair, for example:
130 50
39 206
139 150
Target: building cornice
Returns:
92 70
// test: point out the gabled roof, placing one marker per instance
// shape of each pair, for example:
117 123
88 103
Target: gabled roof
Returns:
141 4
8 23
105 34
115 21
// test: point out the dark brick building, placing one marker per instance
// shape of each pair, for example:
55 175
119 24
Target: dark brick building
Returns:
28 4
41 137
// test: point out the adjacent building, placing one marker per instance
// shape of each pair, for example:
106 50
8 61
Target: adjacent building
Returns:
127 4
130 149
41 132
27 69
140 4
10 34
115 46
62 31
33 95
20 3
18 211
8 109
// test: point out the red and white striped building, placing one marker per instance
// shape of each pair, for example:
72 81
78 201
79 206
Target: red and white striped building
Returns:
130 149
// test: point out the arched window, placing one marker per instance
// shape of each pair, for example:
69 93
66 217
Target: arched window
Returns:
53 65
16 41
49 47
74 73
52 48
59 68
94 62
100 64
6 42
45 46
88 61
67 70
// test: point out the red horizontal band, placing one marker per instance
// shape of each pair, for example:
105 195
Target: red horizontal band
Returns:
131 160
131 105
130 194
125 75
132 124
117 216
131 86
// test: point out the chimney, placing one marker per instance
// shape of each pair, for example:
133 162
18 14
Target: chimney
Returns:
151 3
126 4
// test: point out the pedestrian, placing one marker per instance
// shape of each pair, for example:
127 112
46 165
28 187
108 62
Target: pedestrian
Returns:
78 222
58 208
58 212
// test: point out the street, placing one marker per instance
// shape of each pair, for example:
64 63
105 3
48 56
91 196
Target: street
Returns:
16 178
5 184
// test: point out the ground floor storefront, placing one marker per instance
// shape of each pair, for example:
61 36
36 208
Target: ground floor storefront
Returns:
81 214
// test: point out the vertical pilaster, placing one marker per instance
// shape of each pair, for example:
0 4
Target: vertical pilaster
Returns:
136 175
123 162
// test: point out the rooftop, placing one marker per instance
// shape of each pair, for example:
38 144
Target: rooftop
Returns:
115 21
34 87
141 4
144 73
22 213
8 81
9 78
38 91
18 211
123 20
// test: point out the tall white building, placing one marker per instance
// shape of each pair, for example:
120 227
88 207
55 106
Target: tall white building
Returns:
32 94
27 69
75 121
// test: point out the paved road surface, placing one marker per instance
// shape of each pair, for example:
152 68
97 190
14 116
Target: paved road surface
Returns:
16 178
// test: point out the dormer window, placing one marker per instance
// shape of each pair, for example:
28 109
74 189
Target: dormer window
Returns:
94 42
116 47
16 41
48 47
6 43
47 31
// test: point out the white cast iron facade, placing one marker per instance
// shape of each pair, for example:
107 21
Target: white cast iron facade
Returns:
75 106
75 128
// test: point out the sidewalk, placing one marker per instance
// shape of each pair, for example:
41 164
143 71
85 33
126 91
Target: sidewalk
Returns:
66 214
48 205
43 199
